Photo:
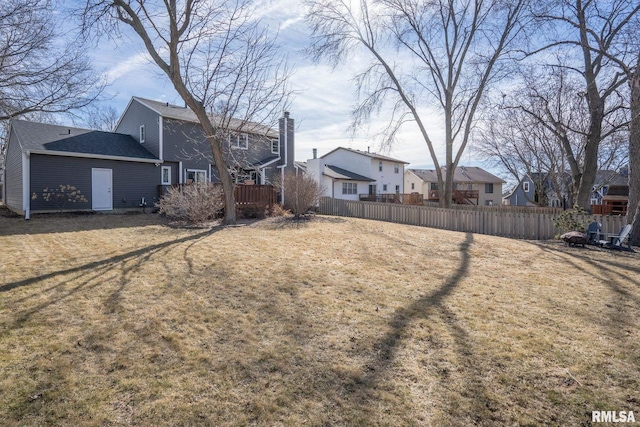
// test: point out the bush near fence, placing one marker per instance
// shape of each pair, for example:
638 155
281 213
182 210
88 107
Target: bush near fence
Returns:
495 222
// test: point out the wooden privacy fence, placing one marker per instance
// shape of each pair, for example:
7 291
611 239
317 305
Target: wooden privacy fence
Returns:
258 195
517 225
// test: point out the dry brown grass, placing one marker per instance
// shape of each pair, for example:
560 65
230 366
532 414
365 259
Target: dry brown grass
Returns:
121 320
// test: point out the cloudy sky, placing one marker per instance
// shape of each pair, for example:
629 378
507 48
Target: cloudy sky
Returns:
322 106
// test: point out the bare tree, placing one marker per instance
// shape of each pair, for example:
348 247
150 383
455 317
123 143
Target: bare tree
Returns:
541 129
100 117
447 53
626 56
585 34
224 64
300 192
38 71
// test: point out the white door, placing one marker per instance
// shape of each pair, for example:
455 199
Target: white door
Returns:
101 196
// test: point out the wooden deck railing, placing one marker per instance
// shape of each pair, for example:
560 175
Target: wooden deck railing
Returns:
263 195
405 199
463 197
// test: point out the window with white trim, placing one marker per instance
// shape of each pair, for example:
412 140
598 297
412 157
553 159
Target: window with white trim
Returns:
166 175
239 141
397 189
525 186
413 185
275 146
396 168
142 134
349 188
196 175
379 166
384 187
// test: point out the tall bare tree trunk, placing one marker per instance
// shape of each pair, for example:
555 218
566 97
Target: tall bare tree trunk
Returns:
633 208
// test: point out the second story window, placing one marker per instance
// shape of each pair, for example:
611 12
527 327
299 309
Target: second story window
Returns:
413 185
488 187
239 141
379 166
396 168
275 146
525 186
142 134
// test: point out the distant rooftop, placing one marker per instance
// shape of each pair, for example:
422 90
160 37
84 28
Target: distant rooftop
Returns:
367 153
461 174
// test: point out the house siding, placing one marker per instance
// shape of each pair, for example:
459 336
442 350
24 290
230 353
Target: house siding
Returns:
519 197
13 170
131 181
186 142
137 115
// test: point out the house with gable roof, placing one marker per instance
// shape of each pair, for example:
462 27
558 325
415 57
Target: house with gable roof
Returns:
345 173
155 145
471 185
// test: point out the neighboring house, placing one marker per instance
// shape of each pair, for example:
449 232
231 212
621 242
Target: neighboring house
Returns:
472 185
345 173
605 181
53 168
539 189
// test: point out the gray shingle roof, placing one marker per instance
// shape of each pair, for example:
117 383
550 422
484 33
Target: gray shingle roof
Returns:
461 174
609 177
186 114
339 173
47 137
368 154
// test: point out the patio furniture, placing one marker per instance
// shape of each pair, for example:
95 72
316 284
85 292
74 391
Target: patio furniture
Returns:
614 241
594 232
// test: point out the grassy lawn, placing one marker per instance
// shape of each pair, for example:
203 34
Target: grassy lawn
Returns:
122 320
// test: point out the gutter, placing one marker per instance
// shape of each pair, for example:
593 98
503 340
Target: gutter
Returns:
93 156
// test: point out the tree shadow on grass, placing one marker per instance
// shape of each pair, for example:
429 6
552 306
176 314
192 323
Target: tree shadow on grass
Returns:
72 222
362 390
96 272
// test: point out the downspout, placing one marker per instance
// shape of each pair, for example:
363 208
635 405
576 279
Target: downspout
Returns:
26 185
180 173
160 139
285 120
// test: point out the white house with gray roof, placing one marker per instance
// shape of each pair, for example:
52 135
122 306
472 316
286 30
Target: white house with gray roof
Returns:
345 173
473 184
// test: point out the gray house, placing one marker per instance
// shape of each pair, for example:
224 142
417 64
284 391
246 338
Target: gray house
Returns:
539 189
58 168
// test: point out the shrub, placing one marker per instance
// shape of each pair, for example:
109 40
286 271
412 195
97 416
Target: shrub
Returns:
569 221
300 192
252 210
279 210
195 203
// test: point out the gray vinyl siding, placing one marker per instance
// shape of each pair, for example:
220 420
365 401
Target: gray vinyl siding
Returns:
13 168
131 181
137 115
185 142
519 197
